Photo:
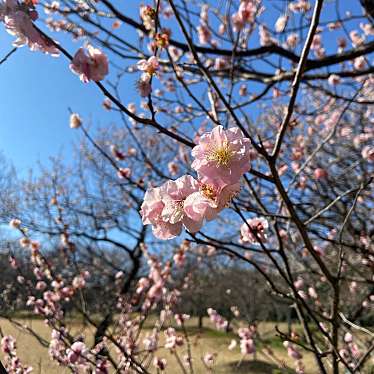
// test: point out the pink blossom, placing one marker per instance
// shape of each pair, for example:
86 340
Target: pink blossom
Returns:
368 153
15 223
204 34
299 6
247 10
91 66
312 293
18 21
173 168
222 154
294 353
232 345
281 23
148 15
356 38
209 201
359 63
163 208
149 67
41 286
75 121
237 21
265 38
334 79
217 319
299 283
209 359
247 346
292 40
124 173
258 226
367 28
159 363
320 173
144 87
181 318
8 344
172 340
77 352
79 282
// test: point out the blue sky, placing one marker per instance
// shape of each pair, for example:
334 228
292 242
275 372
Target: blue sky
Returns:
37 91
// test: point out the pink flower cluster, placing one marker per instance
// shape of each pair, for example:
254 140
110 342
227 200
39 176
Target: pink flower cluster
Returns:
18 20
149 68
11 361
92 66
247 343
294 353
254 230
220 159
248 9
217 319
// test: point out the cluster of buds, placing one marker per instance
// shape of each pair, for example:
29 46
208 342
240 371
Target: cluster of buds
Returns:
217 319
12 362
295 354
161 39
247 342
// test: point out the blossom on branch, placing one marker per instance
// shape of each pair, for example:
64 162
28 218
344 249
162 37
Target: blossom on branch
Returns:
18 20
92 66
222 155
163 208
254 229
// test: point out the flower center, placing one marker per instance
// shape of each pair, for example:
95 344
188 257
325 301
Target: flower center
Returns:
208 191
222 155
173 211
258 228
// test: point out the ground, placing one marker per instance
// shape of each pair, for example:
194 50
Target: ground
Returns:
209 340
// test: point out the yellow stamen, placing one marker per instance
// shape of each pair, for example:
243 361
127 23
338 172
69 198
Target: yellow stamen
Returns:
222 155
208 191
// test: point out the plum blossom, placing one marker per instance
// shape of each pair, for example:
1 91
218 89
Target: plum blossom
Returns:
232 345
91 66
8 344
15 223
299 6
258 226
75 121
247 344
217 319
281 23
222 155
211 198
77 352
160 363
149 67
163 208
18 20
368 153
209 359
144 87
246 13
359 63
292 40
265 37
148 15
334 79
172 340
